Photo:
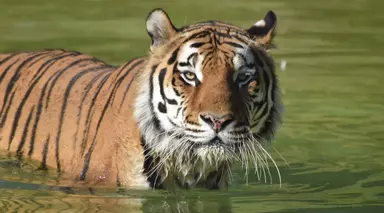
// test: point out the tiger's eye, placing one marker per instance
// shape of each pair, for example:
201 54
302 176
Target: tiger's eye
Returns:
190 76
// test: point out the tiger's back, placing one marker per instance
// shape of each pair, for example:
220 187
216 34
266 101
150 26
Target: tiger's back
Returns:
53 107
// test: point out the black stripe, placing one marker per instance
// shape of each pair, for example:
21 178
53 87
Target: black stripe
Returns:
13 80
229 27
129 83
127 88
220 34
9 57
170 121
197 45
241 132
46 65
266 131
174 87
85 95
178 111
1 79
192 123
207 60
122 78
37 119
4 118
25 132
55 60
7 69
46 54
43 165
183 111
229 53
161 84
173 58
155 120
122 68
233 44
184 64
6 112
43 54
267 82
90 113
23 101
116 85
87 158
149 164
60 73
264 112
189 58
161 107
118 182
64 106
198 35
241 39
194 137
194 130
258 59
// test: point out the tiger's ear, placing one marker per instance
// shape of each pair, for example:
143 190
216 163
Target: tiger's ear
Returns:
263 30
159 27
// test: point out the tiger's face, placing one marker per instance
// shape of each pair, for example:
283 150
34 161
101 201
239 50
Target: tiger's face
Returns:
211 90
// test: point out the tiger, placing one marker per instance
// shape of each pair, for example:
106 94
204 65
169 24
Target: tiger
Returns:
205 97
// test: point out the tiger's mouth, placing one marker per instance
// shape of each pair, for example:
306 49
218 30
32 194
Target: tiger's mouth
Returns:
229 138
215 142
219 143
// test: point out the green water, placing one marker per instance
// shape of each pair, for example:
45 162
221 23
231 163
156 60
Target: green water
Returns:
332 137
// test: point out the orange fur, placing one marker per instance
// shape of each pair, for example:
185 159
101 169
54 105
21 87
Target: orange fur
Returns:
76 113
37 72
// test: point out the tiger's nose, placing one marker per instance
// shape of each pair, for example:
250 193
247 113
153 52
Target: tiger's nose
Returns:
217 123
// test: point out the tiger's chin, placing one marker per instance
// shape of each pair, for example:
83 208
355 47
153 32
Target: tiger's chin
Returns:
188 164
216 149
206 165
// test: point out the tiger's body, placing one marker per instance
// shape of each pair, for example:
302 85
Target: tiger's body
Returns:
61 107
150 121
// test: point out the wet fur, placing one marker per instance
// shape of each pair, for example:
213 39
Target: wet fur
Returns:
100 124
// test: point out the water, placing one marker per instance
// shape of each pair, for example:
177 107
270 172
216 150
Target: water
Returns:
332 137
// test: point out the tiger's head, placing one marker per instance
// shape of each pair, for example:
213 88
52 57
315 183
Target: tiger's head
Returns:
209 95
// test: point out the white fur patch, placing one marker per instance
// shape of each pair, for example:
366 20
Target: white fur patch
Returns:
187 51
141 181
159 26
157 20
238 61
260 23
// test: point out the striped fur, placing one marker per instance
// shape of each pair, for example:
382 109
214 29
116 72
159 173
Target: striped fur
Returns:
204 97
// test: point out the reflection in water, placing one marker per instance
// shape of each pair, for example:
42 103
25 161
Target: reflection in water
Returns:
43 201
187 205
22 189
304 186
